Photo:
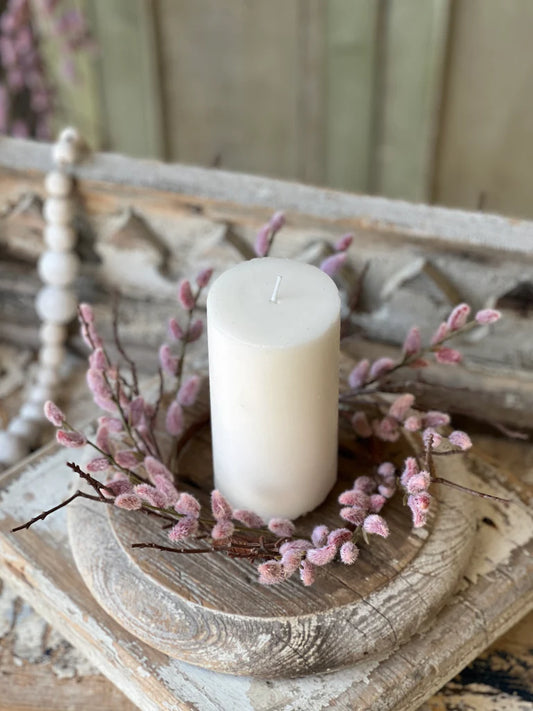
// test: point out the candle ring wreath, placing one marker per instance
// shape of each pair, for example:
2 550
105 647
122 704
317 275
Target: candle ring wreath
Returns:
134 469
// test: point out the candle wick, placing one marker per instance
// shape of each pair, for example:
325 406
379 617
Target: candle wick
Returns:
274 297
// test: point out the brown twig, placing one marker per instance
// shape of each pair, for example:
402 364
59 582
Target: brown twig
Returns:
171 549
120 347
473 492
77 495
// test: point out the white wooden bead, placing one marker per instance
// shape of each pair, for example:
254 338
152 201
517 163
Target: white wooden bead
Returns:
64 153
56 304
58 268
60 238
52 356
12 448
58 184
32 411
26 430
58 211
48 377
52 333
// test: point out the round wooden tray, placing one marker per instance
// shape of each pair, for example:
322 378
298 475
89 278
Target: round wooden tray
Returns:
210 611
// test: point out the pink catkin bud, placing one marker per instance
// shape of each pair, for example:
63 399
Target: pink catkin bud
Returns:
332 265
298 544
344 243
349 553
103 440
307 573
448 356
412 343
440 334
322 556
419 505
401 406
53 414
418 483
431 438
175 331
128 501
136 411
353 515
434 418
86 312
277 221
219 506
413 423
361 425
359 374
354 497
460 439
386 429
387 471
70 439
339 536
97 384
458 317
281 527
380 367
290 561
487 316
185 528
189 391
112 424
169 363
188 505
156 468
174 419
410 469
98 360
319 535
387 490
203 277
127 459
377 525
98 464
365 483
118 487
271 572
377 502
195 331
222 530
248 518
151 495
262 241
167 488
185 295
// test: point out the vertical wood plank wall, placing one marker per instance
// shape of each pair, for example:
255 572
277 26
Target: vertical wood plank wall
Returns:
426 100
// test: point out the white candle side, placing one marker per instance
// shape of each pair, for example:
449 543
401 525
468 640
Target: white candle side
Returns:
273 369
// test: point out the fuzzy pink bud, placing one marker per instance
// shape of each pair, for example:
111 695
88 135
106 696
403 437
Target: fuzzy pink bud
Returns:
98 360
290 561
354 497
97 384
387 471
387 490
53 414
460 439
169 363
203 277
277 221
248 518
448 356
188 505
117 487
322 556
151 495
377 502
434 418
419 482
271 572
195 331
262 241
307 573
298 544
332 265
401 406
410 469
220 506
86 313
421 501
458 317
349 553
377 525
412 343
112 424
128 501
487 316
156 468
361 425
413 423
127 459
136 411
353 515
380 367
440 334
189 391
419 505
222 530
185 528
103 439
98 464
175 331
167 488
343 243
185 295
174 419
281 527
339 536
359 374
431 438
365 483
386 429
70 439
319 535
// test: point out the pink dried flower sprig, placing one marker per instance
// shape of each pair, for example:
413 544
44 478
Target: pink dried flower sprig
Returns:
267 233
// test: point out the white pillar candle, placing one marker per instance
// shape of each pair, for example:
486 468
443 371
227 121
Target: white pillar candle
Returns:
273 336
